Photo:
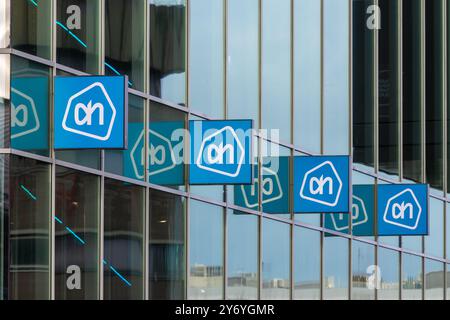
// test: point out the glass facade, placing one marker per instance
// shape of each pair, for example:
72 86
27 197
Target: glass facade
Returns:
326 76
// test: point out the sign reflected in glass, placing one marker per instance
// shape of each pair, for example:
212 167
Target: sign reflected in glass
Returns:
29 113
363 208
274 188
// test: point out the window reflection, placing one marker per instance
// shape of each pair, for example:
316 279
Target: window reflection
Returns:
29 234
77 31
242 60
434 279
388 85
123 244
167 247
412 274
306 264
363 89
206 251
242 258
29 106
434 242
129 162
275 260
388 262
412 82
276 67
166 146
76 235
336 76
307 74
206 57
335 281
167 50
363 260
125 39
31 26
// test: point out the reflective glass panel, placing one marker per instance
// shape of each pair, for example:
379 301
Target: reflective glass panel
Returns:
167 50
389 272
242 260
206 243
363 269
76 235
29 230
412 277
166 245
123 241
434 280
275 260
335 272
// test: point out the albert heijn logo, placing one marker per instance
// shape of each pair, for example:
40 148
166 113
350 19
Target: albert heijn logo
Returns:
321 184
221 152
29 112
402 209
94 112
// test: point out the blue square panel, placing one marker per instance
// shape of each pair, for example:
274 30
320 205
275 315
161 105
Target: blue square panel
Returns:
221 152
322 184
90 112
402 209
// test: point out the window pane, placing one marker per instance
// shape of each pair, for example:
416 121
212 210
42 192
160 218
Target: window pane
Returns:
166 152
29 234
3 187
388 263
123 241
167 50
242 260
363 84
275 260
307 75
388 76
125 39
128 162
242 59
167 247
434 242
434 280
77 34
206 56
412 96
335 268
31 26
276 67
434 92
363 260
412 277
206 251
306 264
336 76
30 100
76 235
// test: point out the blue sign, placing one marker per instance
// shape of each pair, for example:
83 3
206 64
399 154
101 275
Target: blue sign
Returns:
90 112
322 184
221 152
29 113
165 152
402 209
363 201
275 188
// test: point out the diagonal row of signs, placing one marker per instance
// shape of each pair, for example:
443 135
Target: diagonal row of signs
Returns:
91 113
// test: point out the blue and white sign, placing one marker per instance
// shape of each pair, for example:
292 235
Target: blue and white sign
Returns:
90 112
322 184
221 152
275 188
362 213
165 152
402 209
29 113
